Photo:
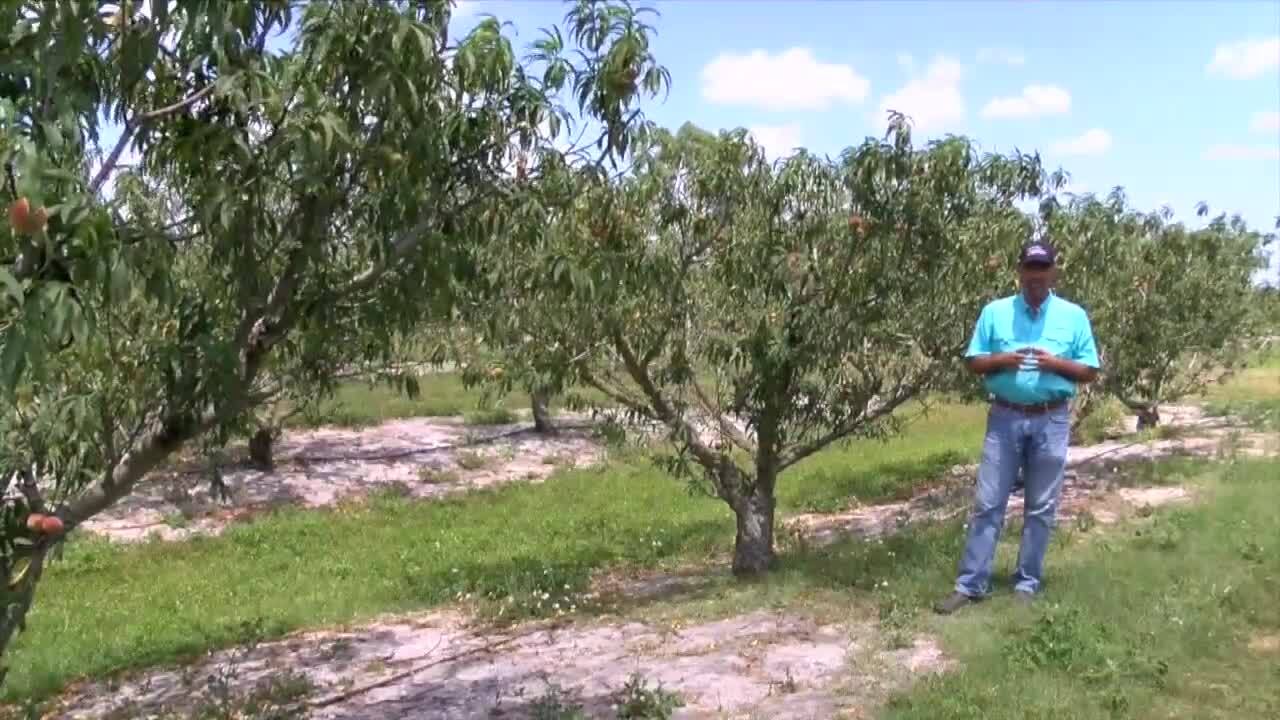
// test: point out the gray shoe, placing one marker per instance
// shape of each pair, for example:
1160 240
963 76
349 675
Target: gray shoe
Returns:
953 602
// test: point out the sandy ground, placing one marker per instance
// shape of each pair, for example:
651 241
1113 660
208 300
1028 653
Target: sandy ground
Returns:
423 457
762 664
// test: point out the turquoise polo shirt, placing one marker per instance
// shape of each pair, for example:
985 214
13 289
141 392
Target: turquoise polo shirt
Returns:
1009 324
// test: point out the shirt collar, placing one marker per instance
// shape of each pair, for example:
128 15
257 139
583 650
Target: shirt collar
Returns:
1023 306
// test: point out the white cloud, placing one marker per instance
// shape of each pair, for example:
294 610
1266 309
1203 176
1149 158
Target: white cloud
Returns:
777 140
790 80
1003 56
1265 122
1035 100
1246 58
1093 142
1231 151
932 101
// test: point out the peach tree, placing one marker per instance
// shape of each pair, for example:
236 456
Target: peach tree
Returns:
1174 308
289 189
757 311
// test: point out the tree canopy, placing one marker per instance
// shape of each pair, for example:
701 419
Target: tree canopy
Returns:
291 212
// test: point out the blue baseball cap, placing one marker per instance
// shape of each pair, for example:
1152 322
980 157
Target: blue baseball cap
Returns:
1037 252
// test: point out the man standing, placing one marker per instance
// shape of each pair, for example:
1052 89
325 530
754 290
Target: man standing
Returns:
1031 349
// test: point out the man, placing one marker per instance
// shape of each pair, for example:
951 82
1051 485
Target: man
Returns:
1032 349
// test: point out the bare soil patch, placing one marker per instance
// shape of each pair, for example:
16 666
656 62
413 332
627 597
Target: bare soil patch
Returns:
423 457
1265 644
763 664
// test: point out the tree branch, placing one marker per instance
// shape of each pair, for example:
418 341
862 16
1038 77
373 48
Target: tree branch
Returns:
727 427
848 427
151 449
182 104
615 395
705 456
132 126
109 163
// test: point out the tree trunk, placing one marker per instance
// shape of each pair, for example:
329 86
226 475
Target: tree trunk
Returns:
260 452
753 545
541 412
17 602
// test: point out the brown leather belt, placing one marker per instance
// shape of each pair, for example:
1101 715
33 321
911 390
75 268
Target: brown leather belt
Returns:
1037 409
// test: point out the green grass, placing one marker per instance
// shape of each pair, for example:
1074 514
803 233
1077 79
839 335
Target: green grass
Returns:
1148 619
106 608
1151 621
1253 394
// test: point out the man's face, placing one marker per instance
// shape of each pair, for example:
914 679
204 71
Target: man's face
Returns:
1036 280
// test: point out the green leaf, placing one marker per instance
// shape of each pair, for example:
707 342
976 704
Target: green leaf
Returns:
52 134
12 357
119 281
11 285
59 311
79 324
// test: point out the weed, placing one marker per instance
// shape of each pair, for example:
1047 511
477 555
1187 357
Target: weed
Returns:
1104 422
176 520
559 460
471 460
896 618
785 686
490 416
390 492
637 701
1085 520
555 704
429 475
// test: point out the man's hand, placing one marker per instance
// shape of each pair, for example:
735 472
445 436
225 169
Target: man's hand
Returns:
996 362
1048 362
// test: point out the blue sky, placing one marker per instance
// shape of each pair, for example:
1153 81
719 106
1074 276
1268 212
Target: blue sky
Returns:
1177 102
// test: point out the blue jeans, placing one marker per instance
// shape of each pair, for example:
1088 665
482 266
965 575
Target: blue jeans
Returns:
1035 445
